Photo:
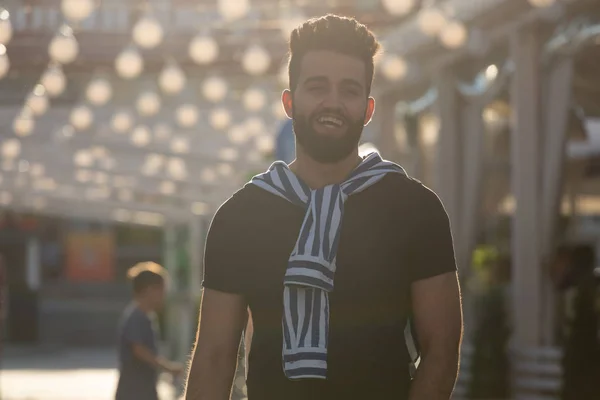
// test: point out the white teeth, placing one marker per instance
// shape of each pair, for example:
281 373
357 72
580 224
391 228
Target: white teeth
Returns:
332 120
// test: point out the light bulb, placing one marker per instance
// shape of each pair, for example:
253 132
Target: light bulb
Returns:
99 92
214 89
220 118
171 79
148 103
398 7
24 123
37 101
187 115
81 117
54 80
254 99
454 35
256 60
6 28
63 47
129 63
394 68
4 64
11 148
77 10
203 49
431 21
233 9
140 137
148 33
121 122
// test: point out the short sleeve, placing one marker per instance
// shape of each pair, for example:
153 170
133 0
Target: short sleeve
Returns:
138 329
224 249
432 248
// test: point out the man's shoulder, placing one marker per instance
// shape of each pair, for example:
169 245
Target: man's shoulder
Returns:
404 183
242 201
244 208
409 193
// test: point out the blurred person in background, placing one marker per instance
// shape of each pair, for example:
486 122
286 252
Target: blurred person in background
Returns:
139 362
358 224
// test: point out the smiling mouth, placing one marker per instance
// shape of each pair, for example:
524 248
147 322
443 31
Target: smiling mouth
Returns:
330 121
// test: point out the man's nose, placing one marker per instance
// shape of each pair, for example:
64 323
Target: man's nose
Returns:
332 99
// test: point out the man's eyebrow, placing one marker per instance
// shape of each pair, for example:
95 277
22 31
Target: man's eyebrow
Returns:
345 81
352 82
316 79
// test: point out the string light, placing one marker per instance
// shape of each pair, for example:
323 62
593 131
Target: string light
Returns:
171 79
129 63
64 47
214 89
454 35
256 60
37 101
6 29
99 92
398 7
77 10
54 80
148 32
232 10
4 62
203 49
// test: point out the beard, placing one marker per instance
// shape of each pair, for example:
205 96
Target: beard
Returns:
324 148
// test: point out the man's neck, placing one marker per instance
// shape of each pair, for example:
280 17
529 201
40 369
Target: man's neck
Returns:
317 175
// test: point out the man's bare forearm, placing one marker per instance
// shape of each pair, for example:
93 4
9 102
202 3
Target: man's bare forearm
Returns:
435 378
210 377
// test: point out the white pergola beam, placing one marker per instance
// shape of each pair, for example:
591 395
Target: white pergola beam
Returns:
78 206
64 166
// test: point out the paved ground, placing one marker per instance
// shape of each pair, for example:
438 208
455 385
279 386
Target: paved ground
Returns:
62 374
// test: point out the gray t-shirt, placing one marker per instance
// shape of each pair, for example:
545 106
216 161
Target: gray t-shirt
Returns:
137 379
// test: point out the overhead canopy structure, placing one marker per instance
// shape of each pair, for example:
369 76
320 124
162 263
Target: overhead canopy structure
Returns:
149 111
172 104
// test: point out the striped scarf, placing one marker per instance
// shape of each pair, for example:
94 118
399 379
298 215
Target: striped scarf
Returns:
311 266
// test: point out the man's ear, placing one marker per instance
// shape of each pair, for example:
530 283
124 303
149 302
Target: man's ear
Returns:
370 110
286 100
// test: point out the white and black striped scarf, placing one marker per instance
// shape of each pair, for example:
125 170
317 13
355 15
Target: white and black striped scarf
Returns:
311 268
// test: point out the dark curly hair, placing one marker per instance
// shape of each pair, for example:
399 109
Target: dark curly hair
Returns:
332 32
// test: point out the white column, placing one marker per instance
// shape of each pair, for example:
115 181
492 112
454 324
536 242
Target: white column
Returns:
33 263
472 174
448 161
196 255
384 121
189 305
526 157
525 180
557 96
170 264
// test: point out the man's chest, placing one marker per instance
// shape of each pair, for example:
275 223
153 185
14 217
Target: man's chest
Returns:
371 260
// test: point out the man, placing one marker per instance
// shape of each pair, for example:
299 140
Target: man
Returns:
331 254
138 332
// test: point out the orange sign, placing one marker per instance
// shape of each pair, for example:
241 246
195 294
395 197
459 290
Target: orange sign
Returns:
90 256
